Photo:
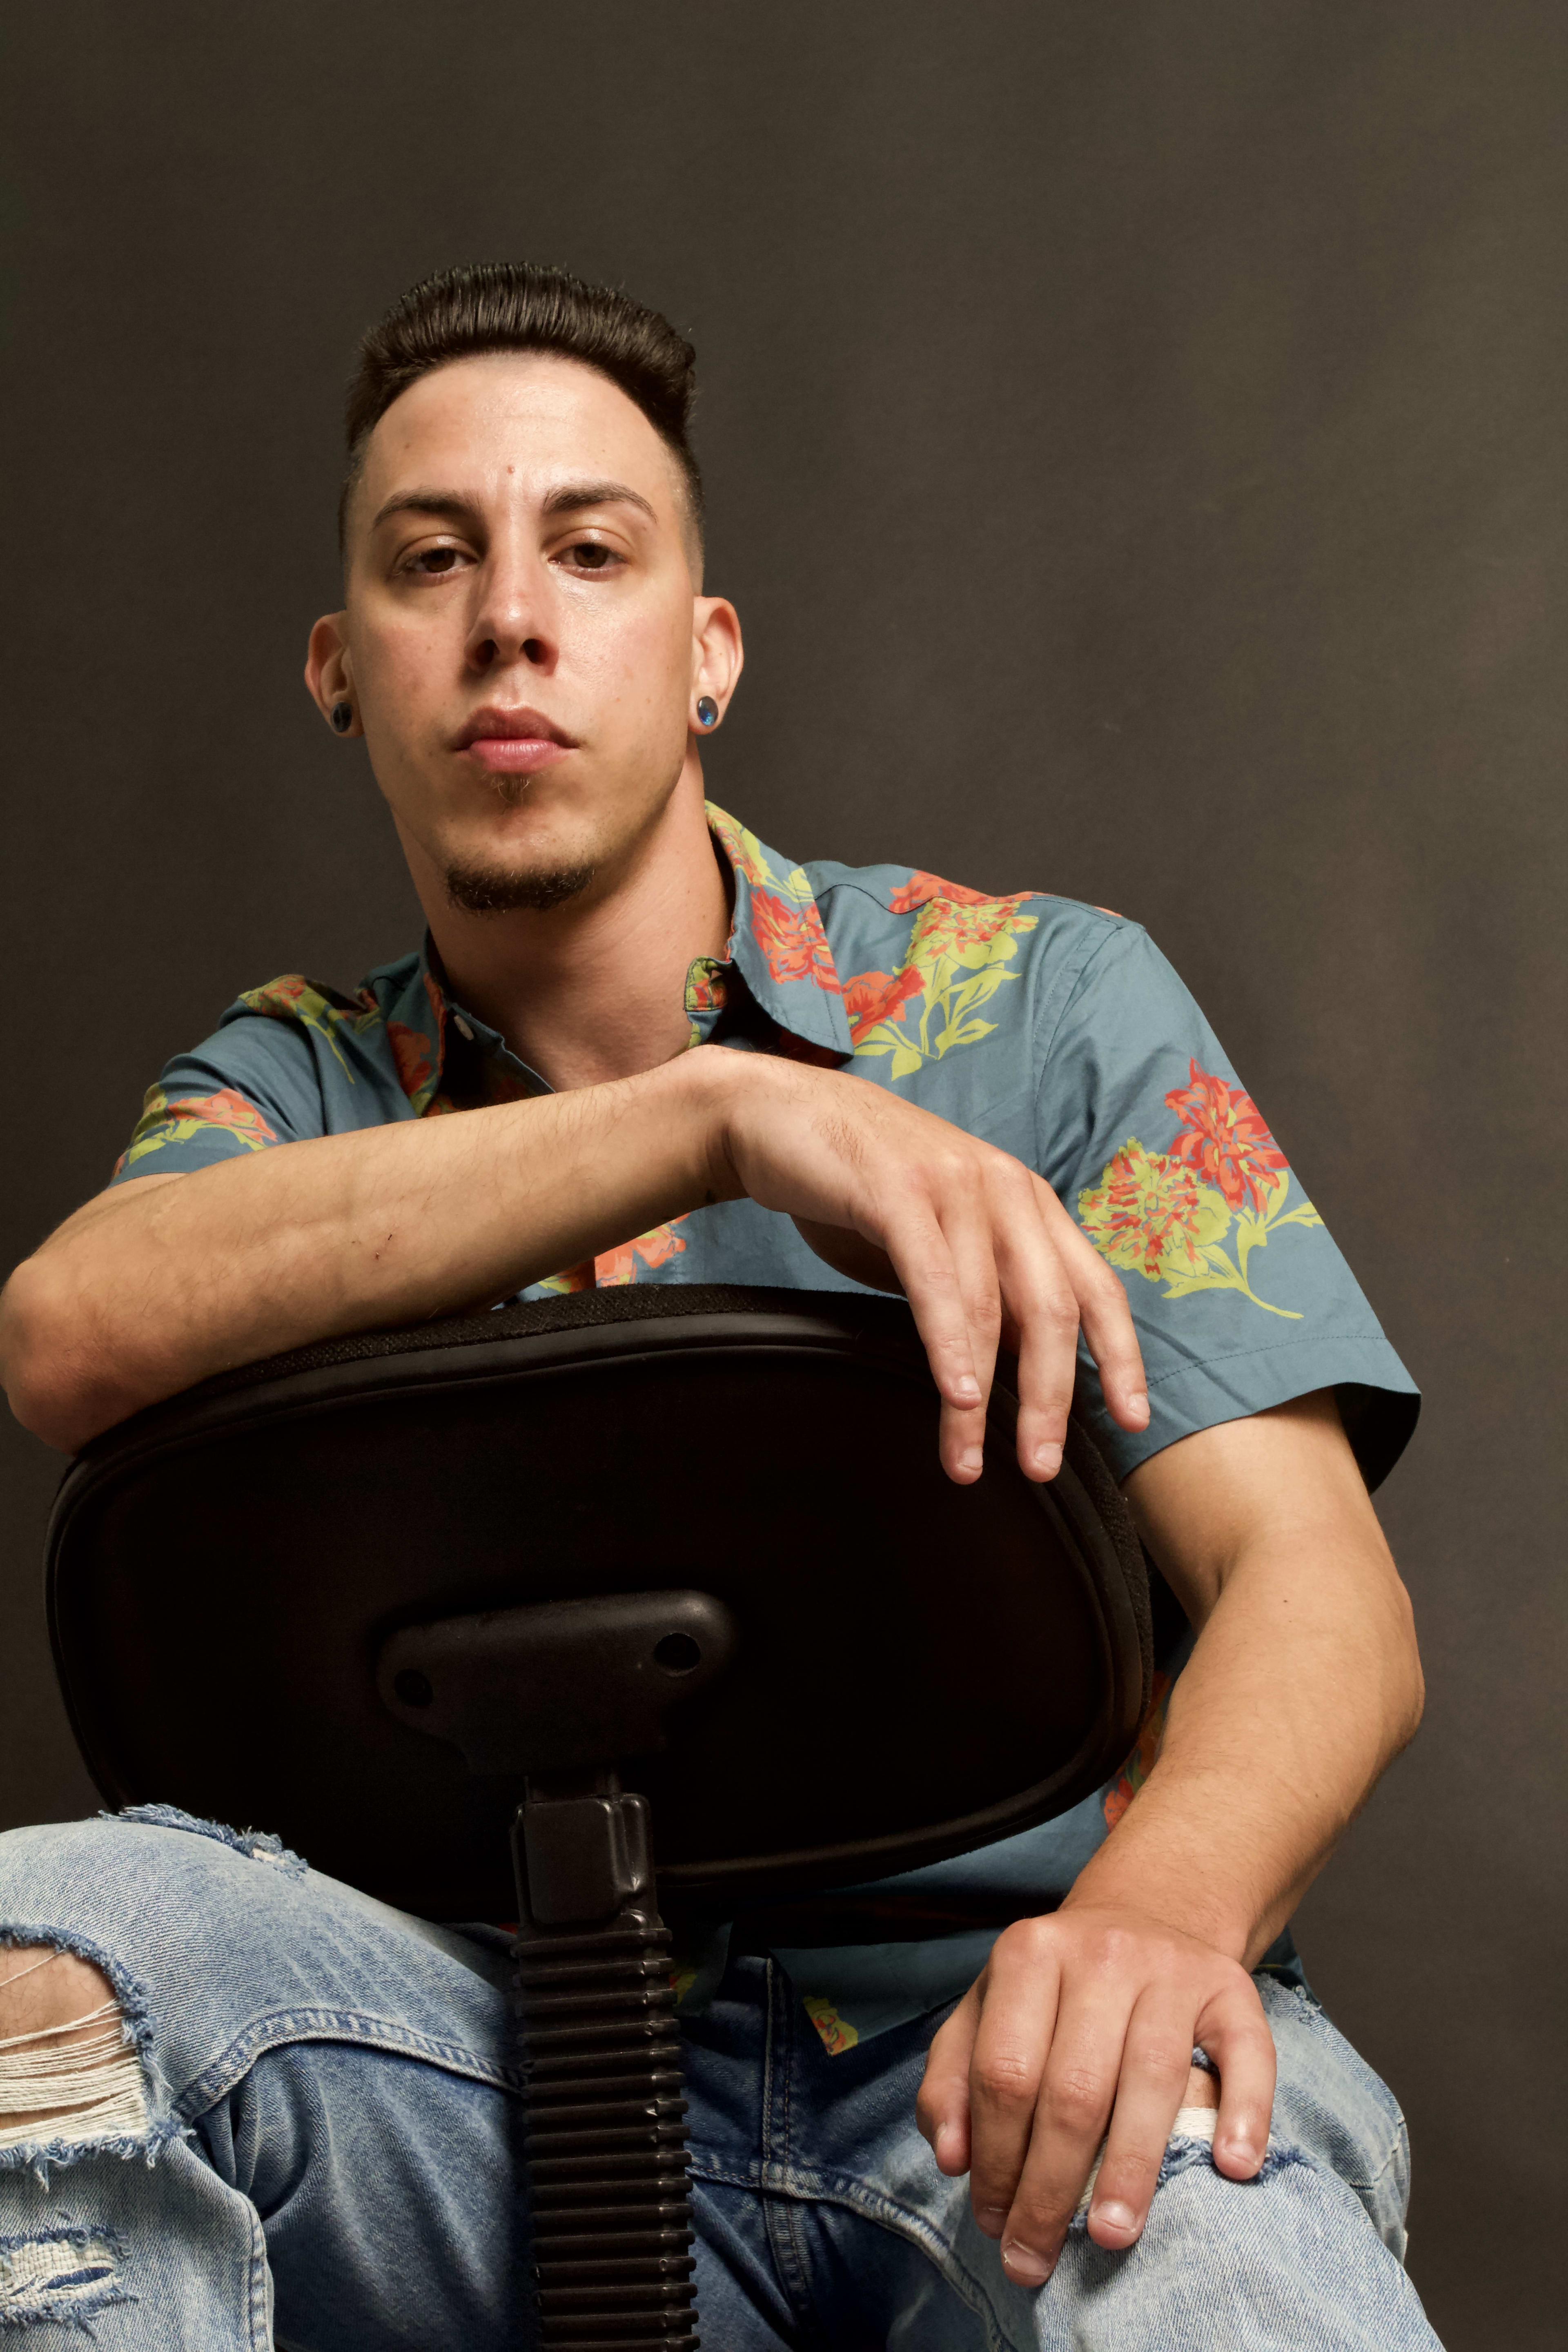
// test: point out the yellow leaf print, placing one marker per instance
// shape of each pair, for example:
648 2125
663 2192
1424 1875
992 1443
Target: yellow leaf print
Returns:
957 957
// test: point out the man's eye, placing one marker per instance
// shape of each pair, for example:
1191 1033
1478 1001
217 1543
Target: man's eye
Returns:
587 555
434 561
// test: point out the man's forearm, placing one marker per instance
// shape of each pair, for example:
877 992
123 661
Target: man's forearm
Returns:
150 1288
1303 1684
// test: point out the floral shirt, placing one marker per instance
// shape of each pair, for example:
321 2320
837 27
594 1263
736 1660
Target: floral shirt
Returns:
1056 1031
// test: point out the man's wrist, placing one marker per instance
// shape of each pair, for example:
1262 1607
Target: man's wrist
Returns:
710 1082
1208 1913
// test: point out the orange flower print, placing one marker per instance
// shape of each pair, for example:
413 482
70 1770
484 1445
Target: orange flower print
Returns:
793 941
1224 1138
1152 1215
419 1063
922 887
164 1120
873 996
225 1109
1168 1215
622 1264
576 1277
966 928
411 1051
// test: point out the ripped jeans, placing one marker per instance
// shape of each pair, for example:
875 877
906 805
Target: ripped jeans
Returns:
312 2136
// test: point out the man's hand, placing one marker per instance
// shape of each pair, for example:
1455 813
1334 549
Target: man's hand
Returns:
981 1246
1081 2024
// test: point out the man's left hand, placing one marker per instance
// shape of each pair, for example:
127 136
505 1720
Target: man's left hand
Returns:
1085 2022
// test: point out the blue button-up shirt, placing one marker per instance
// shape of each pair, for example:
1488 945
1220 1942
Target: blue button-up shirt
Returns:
1054 1030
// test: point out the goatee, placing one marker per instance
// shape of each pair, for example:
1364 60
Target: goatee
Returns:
501 890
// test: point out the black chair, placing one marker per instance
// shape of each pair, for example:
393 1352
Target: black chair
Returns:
447 1585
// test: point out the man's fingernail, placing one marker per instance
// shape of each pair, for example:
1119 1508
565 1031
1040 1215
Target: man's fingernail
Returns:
948 2144
1241 2151
969 1389
1048 1458
1024 2265
1139 1404
1114 2214
992 2218
972 1459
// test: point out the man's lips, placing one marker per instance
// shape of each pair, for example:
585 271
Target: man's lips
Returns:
513 742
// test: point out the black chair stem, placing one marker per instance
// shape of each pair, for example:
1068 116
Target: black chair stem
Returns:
605 2148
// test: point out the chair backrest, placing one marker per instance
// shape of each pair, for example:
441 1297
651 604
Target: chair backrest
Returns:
253 1589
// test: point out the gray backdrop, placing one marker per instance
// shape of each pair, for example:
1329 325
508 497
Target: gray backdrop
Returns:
1135 445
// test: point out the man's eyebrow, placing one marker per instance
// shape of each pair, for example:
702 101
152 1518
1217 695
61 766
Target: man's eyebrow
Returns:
571 498
426 502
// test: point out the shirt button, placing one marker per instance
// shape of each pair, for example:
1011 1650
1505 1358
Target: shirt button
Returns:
462 1027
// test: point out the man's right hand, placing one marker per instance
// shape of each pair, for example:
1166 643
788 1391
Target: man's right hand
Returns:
980 1246
160 1282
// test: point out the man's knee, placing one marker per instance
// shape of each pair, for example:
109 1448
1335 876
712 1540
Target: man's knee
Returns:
68 2071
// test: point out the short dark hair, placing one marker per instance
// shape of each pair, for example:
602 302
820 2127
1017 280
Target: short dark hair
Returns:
521 306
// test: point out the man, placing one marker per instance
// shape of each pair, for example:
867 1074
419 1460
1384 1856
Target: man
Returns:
639 1045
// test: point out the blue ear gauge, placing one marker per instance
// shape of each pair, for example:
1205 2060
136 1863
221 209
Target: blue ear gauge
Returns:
707 710
343 717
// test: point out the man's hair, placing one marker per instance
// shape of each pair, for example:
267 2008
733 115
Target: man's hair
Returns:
520 306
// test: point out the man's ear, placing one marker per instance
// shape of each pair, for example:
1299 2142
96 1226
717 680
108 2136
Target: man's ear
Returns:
329 675
717 656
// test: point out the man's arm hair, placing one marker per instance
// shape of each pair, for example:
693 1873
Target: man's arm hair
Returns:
160 1282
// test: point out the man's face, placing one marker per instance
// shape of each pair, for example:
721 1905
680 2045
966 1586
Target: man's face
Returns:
522 637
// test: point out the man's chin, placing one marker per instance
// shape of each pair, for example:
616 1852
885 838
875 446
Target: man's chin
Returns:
479 889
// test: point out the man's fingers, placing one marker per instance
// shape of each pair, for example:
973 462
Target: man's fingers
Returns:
1044 1313
1011 2044
923 1262
941 2110
1074 2108
1156 2060
1236 2035
1103 1311
969 1238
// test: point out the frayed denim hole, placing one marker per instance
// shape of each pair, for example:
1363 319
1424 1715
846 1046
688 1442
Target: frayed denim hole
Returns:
132 1995
44 2156
257 1845
1185 2155
60 2276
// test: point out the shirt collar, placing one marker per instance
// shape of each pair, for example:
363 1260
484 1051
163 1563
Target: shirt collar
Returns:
778 945
777 942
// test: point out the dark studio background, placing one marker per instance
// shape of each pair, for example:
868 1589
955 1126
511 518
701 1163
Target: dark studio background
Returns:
1135 442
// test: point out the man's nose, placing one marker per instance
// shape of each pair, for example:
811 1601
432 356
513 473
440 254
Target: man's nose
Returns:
513 618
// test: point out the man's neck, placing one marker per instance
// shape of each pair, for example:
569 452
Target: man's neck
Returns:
594 989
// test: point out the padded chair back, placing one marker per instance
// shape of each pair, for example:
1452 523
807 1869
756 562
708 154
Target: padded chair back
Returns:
248 1589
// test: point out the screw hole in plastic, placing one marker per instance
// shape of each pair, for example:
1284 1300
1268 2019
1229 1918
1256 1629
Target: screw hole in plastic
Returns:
677 1653
413 1687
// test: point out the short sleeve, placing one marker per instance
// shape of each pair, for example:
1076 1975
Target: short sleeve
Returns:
253 1085
1239 1296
